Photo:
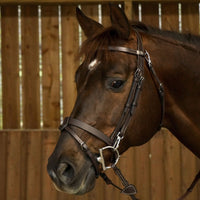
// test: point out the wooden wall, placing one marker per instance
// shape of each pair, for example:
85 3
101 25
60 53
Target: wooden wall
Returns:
38 65
161 169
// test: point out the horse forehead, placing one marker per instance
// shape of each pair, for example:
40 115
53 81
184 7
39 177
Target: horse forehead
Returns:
93 64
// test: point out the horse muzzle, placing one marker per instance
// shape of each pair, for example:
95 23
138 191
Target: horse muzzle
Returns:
70 179
69 168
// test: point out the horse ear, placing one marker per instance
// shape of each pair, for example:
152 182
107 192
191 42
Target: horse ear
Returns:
119 20
88 25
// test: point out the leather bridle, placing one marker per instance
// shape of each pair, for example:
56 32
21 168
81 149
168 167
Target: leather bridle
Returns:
118 134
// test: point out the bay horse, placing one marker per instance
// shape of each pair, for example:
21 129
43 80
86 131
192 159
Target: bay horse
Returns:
123 100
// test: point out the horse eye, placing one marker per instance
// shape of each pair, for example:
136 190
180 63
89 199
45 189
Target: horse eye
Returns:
115 84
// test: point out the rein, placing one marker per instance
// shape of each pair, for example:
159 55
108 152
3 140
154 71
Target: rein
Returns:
118 134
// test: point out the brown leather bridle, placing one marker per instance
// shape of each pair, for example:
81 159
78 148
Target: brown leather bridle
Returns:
118 134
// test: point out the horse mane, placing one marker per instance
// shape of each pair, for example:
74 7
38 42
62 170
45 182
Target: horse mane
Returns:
185 38
97 45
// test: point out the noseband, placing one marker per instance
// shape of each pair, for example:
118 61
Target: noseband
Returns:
113 142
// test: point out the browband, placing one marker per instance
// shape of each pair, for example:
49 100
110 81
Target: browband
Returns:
126 50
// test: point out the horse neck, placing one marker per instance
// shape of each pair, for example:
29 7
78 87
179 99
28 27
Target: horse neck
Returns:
177 65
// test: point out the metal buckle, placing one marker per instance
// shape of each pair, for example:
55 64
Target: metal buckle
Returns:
138 74
114 149
148 59
118 140
101 159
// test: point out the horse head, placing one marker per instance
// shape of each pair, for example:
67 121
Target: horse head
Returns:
111 58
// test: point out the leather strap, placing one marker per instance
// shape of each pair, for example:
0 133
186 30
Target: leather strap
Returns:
85 149
90 129
128 189
133 97
126 50
159 86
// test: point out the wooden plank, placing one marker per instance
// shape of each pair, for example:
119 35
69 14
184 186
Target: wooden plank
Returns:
23 163
50 65
10 67
127 165
49 139
170 19
34 165
70 45
109 191
172 167
188 172
106 15
80 1
157 166
13 166
135 12
143 171
128 8
190 18
30 64
3 164
150 16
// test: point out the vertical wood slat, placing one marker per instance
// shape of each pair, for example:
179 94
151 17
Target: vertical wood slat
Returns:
106 15
128 8
70 45
50 66
30 65
23 163
16 175
172 166
150 16
49 139
3 164
34 165
190 18
10 67
142 171
170 19
190 24
127 165
13 166
135 12
157 167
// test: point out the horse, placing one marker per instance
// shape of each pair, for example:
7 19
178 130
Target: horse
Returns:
134 79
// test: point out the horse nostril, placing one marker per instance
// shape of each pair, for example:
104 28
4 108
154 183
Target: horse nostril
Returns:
52 175
65 171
